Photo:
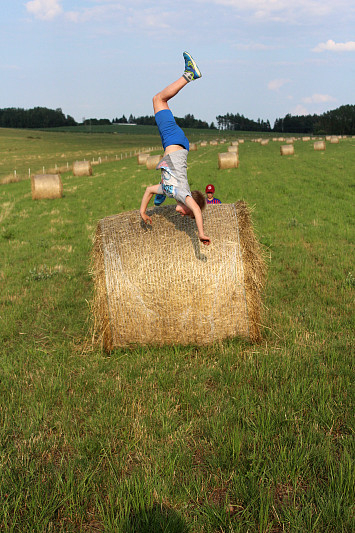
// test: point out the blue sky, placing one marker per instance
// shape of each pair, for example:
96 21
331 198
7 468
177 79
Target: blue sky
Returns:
106 58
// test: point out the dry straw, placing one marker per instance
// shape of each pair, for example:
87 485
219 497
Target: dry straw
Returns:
213 143
264 142
46 186
233 149
228 160
159 285
204 143
287 149
319 145
142 158
82 168
152 161
193 147
334 139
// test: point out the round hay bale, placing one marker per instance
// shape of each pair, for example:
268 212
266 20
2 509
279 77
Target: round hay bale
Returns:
213 143
306 139
193 147
319 145
142 158
152 161
264 142
234 143
241 141
228 160
233 149
82 168
156 285
287 149
47 186
204 143
334 139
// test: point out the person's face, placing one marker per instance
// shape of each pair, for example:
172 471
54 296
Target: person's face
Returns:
184 210
210 195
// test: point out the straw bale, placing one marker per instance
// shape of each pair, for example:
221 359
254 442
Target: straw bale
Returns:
142 158
228 160
306 139
152 161
213 143
204 143
319 145
264 142
241 141
82 168
287 149
193 147
47 186
334 139
233 149
234 143
159 285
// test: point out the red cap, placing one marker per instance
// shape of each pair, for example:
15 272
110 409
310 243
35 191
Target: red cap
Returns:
210 188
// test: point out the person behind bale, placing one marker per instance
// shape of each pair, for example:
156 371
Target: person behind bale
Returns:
210 195
173 166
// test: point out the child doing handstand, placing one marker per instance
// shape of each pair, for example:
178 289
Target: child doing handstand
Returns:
173 166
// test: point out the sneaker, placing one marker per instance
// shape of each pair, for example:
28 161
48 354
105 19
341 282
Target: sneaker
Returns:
159 199
192 72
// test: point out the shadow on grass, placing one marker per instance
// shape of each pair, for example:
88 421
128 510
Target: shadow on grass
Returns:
156 519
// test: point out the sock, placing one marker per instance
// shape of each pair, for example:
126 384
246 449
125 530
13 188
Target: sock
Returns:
188 76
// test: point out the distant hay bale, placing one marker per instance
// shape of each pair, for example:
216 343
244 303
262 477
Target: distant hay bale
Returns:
159 285
264 142
241 141
152 161
193 147
228 160
46 186
334 139
234 143
289 140
306 139
204 143
213 143
287 149
233 149
319 145
142 158
82 168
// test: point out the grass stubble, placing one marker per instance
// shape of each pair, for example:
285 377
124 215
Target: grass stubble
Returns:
234 437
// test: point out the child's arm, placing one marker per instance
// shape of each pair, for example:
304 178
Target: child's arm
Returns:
147 196
190 202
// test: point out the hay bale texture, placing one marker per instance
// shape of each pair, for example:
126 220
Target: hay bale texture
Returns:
159 285
228 160
152 161
142 158
287 149
82 168
46 186
319 145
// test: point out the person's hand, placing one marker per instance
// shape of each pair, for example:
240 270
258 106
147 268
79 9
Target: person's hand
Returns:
146 218
204 239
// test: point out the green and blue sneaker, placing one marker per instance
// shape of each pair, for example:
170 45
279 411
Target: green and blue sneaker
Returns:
159 199
192 72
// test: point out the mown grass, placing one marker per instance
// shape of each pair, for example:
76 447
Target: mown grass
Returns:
233 437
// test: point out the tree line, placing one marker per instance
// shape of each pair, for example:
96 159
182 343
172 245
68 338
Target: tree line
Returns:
340 121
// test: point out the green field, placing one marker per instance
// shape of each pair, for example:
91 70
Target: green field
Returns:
235 437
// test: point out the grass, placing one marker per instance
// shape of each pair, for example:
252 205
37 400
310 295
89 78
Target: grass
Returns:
233 437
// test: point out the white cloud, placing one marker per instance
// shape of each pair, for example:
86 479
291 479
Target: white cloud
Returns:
275 85
299 110
44 9
318 99
335 47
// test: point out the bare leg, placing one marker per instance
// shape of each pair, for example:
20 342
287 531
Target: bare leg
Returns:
160 100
